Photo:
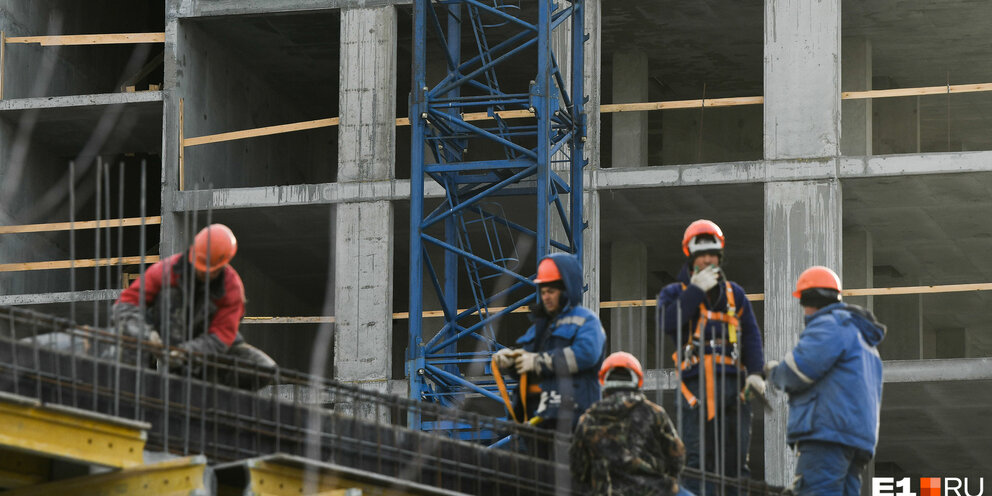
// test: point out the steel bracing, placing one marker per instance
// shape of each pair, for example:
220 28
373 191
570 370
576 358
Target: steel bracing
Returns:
493 126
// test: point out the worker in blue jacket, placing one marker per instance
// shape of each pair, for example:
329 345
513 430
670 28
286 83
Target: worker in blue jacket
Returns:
834 380
721 357
560 354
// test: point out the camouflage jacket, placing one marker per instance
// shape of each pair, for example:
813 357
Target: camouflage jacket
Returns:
626 445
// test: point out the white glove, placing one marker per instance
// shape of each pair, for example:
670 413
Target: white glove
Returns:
528 362
506 357
769 366
754 384
706 278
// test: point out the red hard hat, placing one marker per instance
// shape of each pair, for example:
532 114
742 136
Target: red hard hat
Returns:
621 359
221 243
817 276
547 271
702 226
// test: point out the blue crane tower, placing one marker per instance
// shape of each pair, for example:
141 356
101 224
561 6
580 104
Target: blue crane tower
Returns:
523 127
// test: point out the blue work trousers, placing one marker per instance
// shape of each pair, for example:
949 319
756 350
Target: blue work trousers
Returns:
828 468
727 437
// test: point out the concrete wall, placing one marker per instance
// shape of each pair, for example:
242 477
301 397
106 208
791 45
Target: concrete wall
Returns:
222 93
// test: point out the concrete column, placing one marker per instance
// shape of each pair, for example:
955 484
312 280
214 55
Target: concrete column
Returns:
628 281
630 129
802 218
856 130
363 271
802 79
858 266
802 227
593 85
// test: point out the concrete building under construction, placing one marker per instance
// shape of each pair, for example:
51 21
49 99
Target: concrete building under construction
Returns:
842 133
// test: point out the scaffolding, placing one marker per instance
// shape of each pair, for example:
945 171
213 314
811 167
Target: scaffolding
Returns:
532 147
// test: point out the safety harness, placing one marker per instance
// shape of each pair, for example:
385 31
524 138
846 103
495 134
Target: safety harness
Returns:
531 389
710 359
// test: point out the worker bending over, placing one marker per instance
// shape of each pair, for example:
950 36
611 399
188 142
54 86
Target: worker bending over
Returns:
712 320
625 445
834 380
197 298
559 355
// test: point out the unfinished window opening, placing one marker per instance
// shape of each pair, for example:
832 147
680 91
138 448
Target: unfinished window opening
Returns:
245 73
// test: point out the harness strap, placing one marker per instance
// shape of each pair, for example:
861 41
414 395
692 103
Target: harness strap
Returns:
504 393
710 359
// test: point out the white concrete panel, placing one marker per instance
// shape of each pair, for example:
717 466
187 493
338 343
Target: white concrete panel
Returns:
802 228
802 78
363 299
367 131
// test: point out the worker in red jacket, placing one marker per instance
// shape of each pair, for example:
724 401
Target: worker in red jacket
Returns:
195 297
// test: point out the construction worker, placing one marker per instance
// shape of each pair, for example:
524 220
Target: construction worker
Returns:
721 356
214 302
559 355
625 445
834 380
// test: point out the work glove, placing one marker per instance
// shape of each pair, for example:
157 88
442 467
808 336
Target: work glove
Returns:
707 278
528 362
132 323
754 388
769 366
506 357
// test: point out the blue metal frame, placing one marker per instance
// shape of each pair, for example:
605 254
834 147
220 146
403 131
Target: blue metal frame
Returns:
519 164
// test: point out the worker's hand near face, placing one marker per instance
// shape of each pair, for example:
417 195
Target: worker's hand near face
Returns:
706 278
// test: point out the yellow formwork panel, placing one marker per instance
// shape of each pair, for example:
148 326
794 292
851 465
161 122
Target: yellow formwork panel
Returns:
274 479
177 477
21 469
70 434
285 475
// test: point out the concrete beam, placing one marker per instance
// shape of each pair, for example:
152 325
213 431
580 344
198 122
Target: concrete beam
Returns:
80 100
300 194
960 369
64 297
895 371
210 8
915 164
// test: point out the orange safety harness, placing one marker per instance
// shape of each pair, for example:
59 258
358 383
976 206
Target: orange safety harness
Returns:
501 384
709 359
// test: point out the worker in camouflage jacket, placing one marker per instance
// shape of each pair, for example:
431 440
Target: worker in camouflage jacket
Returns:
625 445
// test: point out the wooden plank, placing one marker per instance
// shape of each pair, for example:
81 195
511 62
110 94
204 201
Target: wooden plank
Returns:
261 131
926 90
681 104
90 224
79 264
90 39
904 290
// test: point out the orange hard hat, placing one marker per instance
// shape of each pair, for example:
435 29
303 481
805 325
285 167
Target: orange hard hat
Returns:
219 242
621 359
817 276
547 271
702 226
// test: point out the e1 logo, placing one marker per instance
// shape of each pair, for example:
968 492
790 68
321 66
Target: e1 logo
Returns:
929 486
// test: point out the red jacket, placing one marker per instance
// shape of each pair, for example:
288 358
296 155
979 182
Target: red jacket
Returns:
230 307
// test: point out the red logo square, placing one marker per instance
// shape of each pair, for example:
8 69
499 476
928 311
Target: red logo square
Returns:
929 486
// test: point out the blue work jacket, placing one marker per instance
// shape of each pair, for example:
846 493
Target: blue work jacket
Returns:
576 342
834 378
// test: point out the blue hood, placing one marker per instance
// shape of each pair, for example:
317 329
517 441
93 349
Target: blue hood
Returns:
871 329
571 274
